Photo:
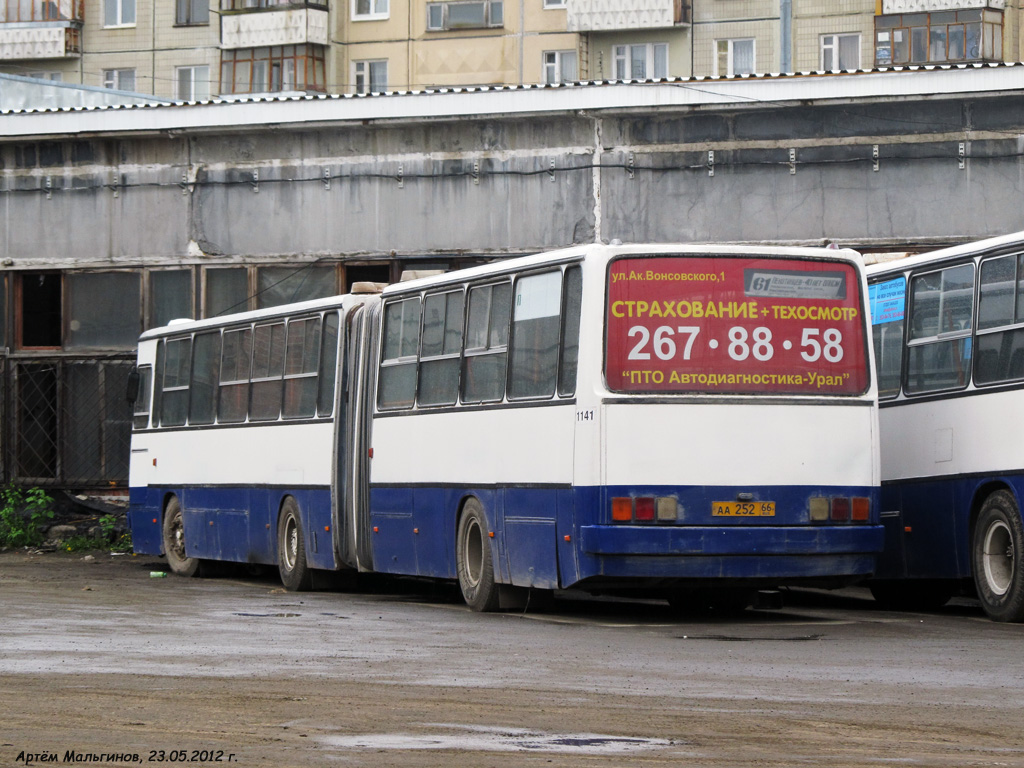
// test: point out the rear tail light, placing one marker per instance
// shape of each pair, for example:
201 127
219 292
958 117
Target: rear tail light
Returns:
840 509
622 510
644 509
861 509
819 509
668 508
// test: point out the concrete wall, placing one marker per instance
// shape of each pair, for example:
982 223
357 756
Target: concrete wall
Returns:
507 184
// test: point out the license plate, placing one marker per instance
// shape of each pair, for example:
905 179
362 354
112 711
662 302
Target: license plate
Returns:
743 508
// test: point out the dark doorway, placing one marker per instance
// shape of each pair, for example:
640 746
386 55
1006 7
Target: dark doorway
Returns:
39 308
367 273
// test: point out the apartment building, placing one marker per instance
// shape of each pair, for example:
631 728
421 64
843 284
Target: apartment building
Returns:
194 49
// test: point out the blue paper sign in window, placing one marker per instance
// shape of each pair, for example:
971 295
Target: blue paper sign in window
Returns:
888 301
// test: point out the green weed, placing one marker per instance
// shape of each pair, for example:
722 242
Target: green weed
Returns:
23 516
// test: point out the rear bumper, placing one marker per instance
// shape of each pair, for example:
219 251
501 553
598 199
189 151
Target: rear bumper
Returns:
731 540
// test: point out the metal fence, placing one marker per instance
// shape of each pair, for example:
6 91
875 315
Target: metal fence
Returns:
66 422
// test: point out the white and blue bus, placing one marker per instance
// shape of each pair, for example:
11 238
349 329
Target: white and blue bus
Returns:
655 418
948 331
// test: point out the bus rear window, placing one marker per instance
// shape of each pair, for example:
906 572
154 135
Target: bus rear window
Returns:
730 325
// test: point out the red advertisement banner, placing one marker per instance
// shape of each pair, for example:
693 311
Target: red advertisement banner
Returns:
735 325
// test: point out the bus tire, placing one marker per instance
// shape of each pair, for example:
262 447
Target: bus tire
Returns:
291 549
473 559
174 541
996 551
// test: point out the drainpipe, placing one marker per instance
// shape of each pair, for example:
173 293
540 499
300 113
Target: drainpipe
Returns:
785 36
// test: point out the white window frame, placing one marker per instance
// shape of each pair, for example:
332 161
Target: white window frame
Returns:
622 61
731 55
831 43
362 75
120 12
199 82
112 78
379 9
554 63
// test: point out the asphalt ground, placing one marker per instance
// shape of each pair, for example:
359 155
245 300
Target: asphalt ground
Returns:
103 664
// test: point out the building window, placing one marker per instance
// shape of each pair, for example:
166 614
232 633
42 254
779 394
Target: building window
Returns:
40 10
369 9
96 322
193 83
641 62
119 79
560 67
273 69
465 15
734 57
192 12
949 36
370 76
840 52
118 13
56 77
227 291
286 285
551 4
170 296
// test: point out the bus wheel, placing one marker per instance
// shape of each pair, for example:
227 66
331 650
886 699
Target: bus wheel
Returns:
473 559
174 541
291 549
996 552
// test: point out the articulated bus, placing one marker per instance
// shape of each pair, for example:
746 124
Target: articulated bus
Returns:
948 331
662 419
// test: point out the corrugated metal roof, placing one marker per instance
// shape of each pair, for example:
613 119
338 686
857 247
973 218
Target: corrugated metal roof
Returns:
479 101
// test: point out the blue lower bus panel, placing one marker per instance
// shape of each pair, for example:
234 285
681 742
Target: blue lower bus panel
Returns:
558 537
233 524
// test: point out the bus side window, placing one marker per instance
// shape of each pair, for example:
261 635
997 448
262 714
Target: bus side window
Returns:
570 341
202 408
486 343
441 348
536 316
1000 355
267 370
174 395
300 368
233 396
398 359
328 365
888 309
939 352
140 416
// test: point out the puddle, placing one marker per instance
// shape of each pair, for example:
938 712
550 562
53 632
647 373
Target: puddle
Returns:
485 739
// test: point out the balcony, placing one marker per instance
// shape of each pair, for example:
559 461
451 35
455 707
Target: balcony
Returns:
40 29
924 6
259 23
622 15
